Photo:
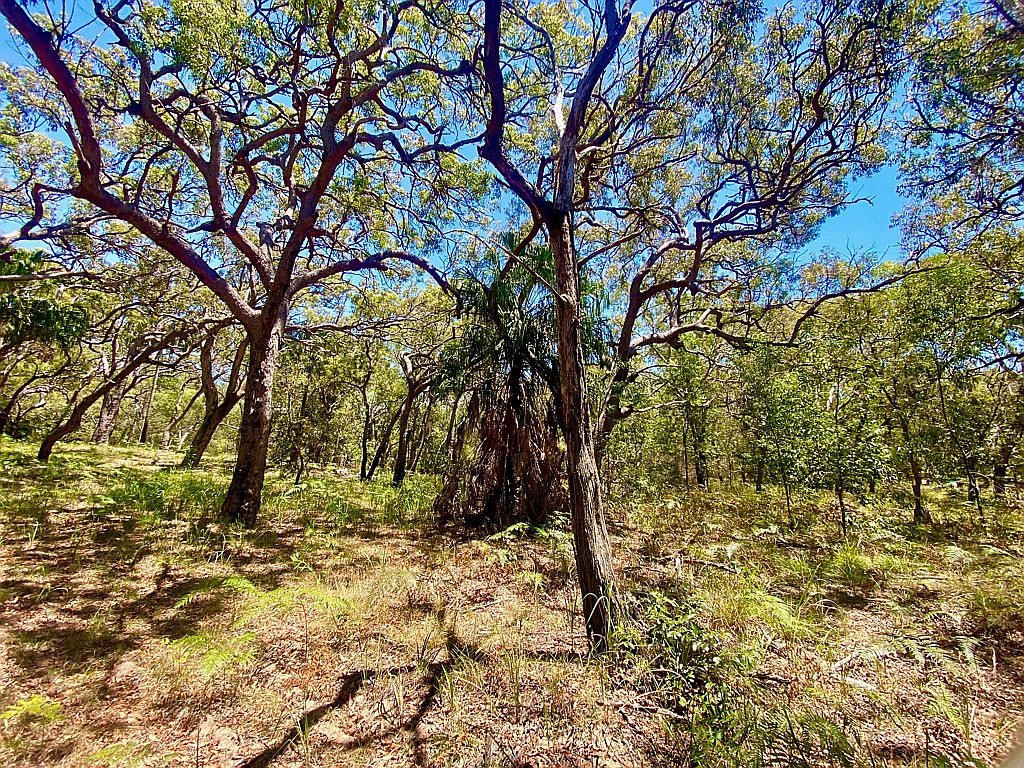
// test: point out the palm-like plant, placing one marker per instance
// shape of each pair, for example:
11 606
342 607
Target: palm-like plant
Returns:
504 358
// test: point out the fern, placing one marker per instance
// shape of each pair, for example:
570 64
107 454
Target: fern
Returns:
238 584
216 656
35 707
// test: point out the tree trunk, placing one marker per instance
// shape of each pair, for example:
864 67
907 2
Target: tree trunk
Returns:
206 430
417 453
700 468
244 495
74 420
449 441
215 412
385 443
921 515
177 417
401 454
364 443
144 436
8 409
999 480
109 411
590 532
686 460
612 410
842 507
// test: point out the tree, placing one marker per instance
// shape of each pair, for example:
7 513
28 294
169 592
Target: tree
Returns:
679 156
141 352
966 161
38 330
256 147
216 405
503 358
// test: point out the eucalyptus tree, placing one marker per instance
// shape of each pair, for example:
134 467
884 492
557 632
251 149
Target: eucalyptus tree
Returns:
966 160
145 320
39 326
217 403
918 344
265 146
678 152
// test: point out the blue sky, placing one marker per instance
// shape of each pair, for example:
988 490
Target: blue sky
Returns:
863 226
866 225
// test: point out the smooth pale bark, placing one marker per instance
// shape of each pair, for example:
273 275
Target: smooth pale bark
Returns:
244 496
177 417
144 434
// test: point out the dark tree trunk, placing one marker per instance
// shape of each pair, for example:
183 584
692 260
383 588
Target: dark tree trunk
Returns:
921 515
109 411
244 496
449 442
700 468
215 412
206 430
612 410
759 474
401 454
364 443
8 409
999 480
5 414
590 532
382 447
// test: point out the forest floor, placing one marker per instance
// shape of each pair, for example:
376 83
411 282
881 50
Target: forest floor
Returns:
348 630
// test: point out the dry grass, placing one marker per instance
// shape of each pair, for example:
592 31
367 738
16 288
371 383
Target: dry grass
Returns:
137 630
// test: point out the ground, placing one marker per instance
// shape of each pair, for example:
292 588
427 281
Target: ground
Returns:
348 630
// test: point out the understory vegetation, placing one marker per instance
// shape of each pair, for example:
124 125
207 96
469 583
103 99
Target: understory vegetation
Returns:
351 629
512 383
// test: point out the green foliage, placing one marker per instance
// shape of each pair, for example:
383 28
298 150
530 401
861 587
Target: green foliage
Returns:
167 493
216 656
686 661
715 718
406 504
236 584
25 316
34 708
